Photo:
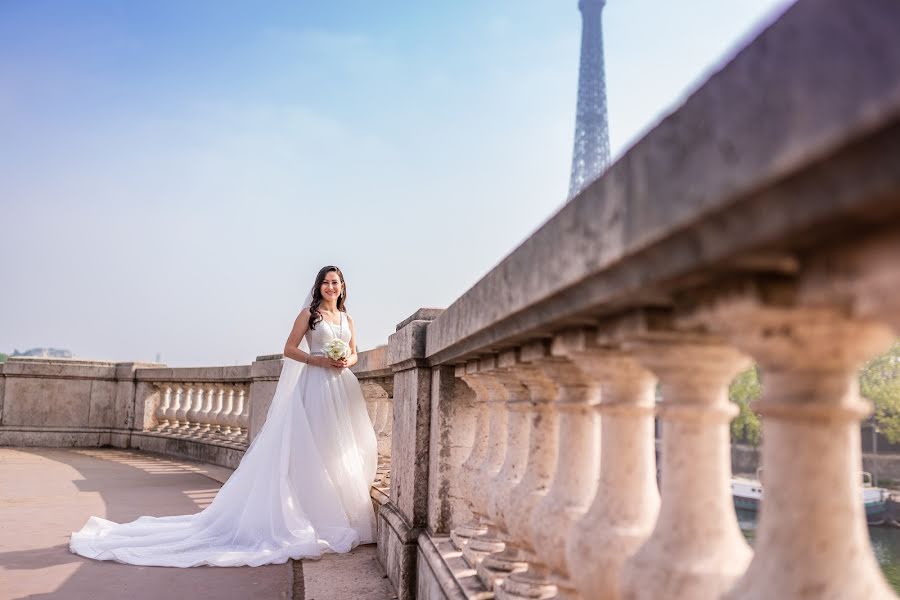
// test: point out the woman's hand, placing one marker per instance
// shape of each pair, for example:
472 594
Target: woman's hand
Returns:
340 363
319 361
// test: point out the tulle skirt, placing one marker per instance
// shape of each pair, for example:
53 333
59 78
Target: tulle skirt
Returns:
301 489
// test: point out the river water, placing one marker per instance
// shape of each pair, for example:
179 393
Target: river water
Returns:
885 544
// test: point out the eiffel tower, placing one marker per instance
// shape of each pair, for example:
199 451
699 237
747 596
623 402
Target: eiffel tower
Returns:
591 154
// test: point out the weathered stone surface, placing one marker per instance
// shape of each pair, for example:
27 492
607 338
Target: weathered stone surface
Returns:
397 550
409 456
47 402
423 314
372 363
451 438
199 450
407 346
102 408
443 574
265 375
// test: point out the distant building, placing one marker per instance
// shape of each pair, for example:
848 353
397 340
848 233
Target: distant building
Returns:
44 353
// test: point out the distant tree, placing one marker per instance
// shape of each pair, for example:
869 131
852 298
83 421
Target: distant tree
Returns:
3 357
879 382
743 390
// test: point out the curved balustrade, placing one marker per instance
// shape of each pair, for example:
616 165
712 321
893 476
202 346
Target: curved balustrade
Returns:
204 411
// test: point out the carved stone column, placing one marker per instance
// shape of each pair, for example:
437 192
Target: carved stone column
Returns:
485 474
626 504
468 477
385 429
812 538
575 477
543 444
696 549
496 567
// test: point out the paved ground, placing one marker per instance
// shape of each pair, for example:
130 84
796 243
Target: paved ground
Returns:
45 494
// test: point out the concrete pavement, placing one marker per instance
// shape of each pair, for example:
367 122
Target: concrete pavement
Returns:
46 493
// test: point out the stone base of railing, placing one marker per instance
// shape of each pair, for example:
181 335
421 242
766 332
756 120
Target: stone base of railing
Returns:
206 451
443 573
209 451
62 437
397 550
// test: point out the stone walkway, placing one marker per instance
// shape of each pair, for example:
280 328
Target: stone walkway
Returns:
46 493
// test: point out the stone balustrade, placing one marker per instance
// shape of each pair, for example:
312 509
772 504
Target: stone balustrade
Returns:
208 413
760 221
377 382
745 227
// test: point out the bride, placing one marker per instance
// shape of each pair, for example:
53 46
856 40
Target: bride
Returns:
302 487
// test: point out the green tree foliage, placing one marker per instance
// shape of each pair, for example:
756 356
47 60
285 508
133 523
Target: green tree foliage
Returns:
745 389
879 382
3 357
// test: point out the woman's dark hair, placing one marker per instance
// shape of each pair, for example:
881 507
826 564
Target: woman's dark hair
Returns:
314 315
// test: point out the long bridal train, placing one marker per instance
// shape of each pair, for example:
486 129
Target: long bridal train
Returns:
301 489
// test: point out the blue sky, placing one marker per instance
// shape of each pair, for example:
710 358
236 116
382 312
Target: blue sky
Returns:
173 174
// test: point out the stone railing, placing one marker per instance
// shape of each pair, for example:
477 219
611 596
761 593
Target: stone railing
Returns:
377 382
760 221
206 413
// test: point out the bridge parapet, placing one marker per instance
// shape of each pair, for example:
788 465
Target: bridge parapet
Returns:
759 221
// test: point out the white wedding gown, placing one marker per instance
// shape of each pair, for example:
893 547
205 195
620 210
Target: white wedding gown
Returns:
302 487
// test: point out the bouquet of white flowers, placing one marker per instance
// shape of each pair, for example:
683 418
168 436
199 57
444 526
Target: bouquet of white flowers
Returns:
337 349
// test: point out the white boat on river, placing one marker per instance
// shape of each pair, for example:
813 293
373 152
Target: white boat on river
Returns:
748 493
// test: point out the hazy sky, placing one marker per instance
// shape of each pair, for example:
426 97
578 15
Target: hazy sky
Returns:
173 174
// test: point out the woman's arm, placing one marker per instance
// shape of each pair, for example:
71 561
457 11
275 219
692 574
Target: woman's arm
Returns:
351 360
301 325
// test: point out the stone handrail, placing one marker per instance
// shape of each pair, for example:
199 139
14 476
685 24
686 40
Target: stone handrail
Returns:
760 221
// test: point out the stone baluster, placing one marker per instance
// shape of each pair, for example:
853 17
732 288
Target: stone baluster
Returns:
812 539
469 471
172 412
165 403
525 497
626 504
387 426
485 473
496 567
203 417
575 478
215 414
243 416
696 549
226 417
194 416
188 403
371 398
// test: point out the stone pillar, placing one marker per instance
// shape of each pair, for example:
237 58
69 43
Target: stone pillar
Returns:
406 514
542 452
812 537
626 503
264 372
696 549
451 437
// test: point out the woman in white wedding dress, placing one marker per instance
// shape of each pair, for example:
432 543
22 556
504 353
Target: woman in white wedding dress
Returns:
302 487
